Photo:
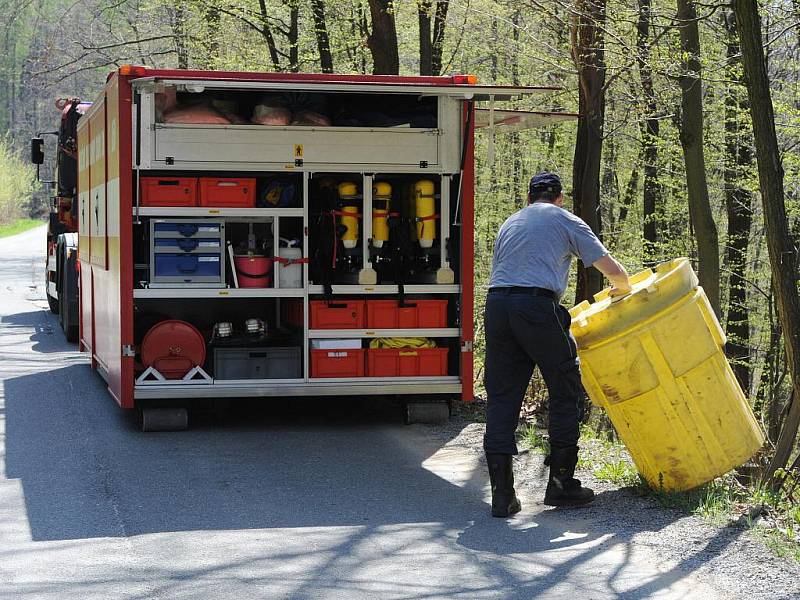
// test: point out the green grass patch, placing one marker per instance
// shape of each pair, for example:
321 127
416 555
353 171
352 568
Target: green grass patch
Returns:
619 472
535 440
773 517
19 226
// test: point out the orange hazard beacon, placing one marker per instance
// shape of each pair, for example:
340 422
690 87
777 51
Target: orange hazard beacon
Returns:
280 234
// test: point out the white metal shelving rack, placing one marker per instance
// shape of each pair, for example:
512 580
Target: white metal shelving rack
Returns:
308 386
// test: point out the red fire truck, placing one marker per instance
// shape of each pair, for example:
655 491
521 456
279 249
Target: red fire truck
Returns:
278 235
61 275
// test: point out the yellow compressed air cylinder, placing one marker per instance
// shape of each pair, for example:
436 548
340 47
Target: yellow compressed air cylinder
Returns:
381 200
655 361
349 217
424 209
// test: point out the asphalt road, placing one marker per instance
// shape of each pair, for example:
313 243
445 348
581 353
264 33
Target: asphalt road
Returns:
283 500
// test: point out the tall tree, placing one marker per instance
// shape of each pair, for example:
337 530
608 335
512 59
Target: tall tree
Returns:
691 135
738 204
210 56
782 253
178 21
650 131
432 17
294 35
588 53
321 32
382 41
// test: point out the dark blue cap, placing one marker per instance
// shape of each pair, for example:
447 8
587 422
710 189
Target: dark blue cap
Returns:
545 182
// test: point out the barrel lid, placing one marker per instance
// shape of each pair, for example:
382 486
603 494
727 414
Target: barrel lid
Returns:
652 291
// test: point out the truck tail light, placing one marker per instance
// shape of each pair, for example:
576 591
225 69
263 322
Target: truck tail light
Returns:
132 70
465 79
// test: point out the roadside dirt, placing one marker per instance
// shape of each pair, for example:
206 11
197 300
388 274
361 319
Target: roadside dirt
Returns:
730 558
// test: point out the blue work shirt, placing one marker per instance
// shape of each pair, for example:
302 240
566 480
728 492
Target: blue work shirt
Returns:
535 247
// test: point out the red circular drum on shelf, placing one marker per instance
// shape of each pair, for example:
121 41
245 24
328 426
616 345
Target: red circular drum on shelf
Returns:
173 348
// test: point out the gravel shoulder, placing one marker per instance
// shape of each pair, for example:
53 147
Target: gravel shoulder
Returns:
730 558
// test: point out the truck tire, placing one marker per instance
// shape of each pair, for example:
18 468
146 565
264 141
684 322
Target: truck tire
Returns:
65 317
429 412
164 419
51 302
70 328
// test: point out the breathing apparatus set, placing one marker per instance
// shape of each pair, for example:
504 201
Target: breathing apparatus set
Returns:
402 248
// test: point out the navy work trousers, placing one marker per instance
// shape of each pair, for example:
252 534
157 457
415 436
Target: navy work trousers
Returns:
524 331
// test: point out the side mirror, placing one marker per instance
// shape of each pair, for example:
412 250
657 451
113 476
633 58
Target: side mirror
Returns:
37 151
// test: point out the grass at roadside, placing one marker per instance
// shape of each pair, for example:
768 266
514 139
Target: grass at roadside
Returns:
774 518
19 226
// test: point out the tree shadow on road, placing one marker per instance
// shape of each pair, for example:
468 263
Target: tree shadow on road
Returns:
47 336
291 467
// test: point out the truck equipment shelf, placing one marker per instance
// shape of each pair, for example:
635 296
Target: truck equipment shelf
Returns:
358 192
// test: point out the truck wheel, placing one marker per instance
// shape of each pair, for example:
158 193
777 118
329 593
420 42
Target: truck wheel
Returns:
64 316
51 302
164 419
433 413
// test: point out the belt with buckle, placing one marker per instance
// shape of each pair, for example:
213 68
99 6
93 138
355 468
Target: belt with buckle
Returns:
530 291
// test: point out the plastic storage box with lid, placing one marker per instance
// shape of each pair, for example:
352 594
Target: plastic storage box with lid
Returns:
228 192
654 360
168 191
388 314
337 314
257 363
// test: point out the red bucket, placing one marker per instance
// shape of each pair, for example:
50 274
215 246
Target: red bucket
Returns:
253 271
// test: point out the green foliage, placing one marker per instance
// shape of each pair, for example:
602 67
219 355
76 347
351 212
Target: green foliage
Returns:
19 226
17 184
535 440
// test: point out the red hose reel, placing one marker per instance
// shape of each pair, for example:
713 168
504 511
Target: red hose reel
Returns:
173 348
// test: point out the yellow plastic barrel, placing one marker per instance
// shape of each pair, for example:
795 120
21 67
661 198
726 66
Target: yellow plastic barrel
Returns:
654 361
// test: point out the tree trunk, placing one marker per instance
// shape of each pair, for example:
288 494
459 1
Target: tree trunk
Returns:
520 191
382 42
738 204
691 134
588 54
432 19
651 192
630 192
179 31
439 22
269 39
294 31
210 41
323 40
782 254
425 41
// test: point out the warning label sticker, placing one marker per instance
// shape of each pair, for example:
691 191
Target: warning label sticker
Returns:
298 150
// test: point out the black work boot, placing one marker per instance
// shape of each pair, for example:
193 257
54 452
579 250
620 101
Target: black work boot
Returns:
562 488
501 474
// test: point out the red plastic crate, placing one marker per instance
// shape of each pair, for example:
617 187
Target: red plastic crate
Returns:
228 192
337 314
168 191
406 362
388 314
337 363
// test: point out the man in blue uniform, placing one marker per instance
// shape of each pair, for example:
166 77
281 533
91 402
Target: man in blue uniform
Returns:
526 326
